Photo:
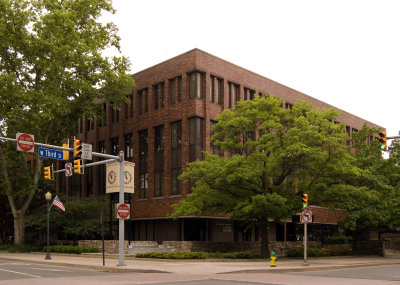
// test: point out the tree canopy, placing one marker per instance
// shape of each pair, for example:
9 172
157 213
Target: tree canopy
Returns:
271 153
52 72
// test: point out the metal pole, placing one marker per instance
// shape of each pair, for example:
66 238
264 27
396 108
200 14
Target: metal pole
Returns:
102 235
48 232
305 263
121 232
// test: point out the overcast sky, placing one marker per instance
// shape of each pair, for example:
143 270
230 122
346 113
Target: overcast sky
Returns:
343 52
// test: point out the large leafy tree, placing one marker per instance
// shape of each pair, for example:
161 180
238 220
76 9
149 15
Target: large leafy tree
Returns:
372 197
270 153
52 71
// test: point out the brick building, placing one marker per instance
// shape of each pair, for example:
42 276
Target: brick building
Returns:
168 125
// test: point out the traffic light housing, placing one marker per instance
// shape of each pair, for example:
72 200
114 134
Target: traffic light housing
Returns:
304 200
47 173
65 152
382 140
77 148
77 166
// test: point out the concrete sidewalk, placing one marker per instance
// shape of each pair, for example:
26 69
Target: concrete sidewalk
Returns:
207 266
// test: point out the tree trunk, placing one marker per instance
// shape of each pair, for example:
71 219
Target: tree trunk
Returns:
19 229
264 239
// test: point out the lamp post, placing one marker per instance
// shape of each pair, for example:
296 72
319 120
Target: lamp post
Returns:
48 199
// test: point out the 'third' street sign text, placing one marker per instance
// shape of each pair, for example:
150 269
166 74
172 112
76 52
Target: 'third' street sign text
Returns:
51 153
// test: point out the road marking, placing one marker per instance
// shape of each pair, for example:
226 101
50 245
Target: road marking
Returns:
20 273
49 269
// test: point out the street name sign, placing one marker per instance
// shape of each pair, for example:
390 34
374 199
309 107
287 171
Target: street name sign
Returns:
25 142
51 153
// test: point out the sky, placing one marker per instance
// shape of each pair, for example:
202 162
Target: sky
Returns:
343 52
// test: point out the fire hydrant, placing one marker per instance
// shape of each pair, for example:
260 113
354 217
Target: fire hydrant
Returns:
273 259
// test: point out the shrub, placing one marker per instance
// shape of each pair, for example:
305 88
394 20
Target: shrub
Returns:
173 255
337 251
311 252
71 249
240 254
19 248
339 240
197 255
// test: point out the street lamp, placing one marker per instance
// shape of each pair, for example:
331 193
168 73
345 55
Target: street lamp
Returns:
48 199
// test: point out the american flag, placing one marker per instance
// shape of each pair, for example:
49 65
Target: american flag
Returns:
58 203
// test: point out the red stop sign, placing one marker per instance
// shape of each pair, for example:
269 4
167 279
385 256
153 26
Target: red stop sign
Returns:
123 211
25 142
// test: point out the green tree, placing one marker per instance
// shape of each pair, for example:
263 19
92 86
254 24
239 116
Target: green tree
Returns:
81 219
372 197
271 153
52 72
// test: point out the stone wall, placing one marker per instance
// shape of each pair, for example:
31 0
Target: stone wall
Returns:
111 246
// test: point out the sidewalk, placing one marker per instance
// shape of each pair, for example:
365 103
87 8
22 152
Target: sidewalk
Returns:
207 266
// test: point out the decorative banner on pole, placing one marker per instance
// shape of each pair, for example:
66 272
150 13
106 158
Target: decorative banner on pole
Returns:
112 177
25 142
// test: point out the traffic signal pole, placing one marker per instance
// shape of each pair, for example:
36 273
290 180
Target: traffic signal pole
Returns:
111 158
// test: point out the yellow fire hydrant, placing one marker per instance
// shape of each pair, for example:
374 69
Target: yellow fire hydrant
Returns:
273 259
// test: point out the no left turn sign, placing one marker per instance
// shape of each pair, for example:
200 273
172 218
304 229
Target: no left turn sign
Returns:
25 142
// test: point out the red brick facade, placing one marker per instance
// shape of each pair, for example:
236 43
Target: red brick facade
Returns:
209 66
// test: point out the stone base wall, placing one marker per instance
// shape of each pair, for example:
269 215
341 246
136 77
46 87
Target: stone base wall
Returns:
111 246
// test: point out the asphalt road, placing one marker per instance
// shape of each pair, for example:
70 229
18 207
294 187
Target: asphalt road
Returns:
11 270
383 272
34 274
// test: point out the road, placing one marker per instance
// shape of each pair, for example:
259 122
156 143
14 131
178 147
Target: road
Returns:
34 274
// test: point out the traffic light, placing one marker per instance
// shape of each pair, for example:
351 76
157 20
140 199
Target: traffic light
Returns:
77 166
304 200
47 172
77 148
382 140
65 152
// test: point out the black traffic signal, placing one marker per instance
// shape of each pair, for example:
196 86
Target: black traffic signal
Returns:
77 148
382 140
304 200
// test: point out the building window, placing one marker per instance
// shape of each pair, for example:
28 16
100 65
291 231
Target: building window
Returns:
213 148
143 149
175 89
196 85
195 138
288 105
158 90
176 154
114 113
103 119
128 147
233 94
212 89
248 94
158 161
114 146
129 107
101 148
143 101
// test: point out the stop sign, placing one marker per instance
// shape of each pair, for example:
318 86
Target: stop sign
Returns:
25 142
123 211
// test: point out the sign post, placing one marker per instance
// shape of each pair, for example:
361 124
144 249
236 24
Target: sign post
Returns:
306 217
